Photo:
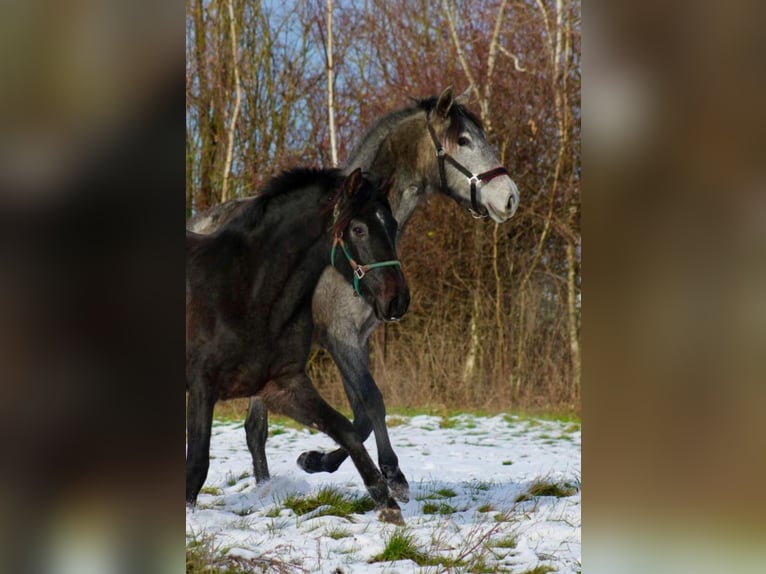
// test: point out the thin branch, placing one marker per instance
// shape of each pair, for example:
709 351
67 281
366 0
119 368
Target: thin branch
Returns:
513 57
491 57
547 30
494 44
461 57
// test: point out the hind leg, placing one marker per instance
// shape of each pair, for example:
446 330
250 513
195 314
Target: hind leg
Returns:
256 432
199 421
297 398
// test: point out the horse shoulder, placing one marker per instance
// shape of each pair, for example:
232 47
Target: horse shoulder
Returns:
338 314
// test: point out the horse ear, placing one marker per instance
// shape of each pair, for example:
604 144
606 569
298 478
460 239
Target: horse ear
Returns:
463 98
445 101
353 182
390 183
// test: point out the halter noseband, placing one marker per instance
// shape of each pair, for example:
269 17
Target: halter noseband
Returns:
473 179
359 270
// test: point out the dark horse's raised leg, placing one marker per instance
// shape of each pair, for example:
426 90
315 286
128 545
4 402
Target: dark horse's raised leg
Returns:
297 398
199 421
369 415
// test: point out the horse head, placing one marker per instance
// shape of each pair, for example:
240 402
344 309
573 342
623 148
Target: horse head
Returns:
469 169
365 232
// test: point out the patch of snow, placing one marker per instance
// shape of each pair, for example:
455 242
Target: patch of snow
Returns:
486 461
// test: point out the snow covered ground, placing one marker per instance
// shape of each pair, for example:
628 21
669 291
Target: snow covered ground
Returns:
465 475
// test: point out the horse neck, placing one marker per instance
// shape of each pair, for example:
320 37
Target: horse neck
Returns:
380 155
299 214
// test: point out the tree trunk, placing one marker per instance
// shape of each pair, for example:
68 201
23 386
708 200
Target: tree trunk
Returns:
572 315
330 88
225 194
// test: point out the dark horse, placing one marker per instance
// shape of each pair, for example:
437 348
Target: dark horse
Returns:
248 305
428 147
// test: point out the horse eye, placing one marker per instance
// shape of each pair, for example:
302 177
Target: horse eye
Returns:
462 140
358 230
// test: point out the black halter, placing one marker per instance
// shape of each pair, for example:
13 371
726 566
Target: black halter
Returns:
474 179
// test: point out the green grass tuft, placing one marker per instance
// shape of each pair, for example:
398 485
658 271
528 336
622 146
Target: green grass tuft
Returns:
214 490
438 494
400 545
441 508
446 493
509 541
481 566
448 423
542 487
479 485
338 533
336 502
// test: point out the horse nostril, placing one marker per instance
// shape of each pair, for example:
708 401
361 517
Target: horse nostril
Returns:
513 202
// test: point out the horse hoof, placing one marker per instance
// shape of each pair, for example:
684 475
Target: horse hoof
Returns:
391 516
397 484
399 491
311 461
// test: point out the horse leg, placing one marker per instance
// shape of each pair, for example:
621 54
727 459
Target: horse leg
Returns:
256 432
199 421
297 398
369 414
313 461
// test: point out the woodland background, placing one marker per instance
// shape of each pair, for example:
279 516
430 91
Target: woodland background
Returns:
494 322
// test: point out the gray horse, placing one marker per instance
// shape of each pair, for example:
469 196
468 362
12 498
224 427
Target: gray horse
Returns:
435 145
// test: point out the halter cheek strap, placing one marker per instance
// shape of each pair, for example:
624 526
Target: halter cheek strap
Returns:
359 270
473 179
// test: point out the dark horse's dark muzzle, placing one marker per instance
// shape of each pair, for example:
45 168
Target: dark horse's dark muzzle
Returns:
391 297
397 305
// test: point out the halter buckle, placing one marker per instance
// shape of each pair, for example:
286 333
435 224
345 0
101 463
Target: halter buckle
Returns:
359 272
440 152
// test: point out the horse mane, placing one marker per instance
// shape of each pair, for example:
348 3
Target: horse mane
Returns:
457 112
300 180
295 180
382 128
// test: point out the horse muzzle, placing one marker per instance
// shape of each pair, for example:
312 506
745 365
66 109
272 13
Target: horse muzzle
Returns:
501 198
397 307
393 300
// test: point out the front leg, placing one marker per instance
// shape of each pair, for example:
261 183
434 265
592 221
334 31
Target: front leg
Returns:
369 415
295 396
